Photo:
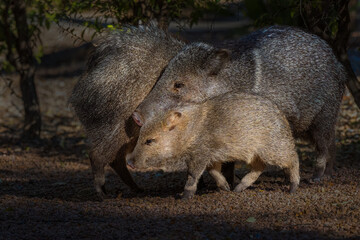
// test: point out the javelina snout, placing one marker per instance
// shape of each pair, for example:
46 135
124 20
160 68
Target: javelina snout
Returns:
136 116
157 139
130 160
136 159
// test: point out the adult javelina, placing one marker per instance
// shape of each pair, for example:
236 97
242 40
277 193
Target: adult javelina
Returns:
121 71
294 69
225 128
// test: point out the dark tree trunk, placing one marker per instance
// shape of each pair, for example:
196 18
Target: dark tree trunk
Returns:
26 68
317 21
353 85
32 121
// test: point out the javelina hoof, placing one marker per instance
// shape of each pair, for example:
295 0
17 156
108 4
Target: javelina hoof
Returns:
240 187
319 172
99 197
187 195
102 194
100 189
293 187
225 187
314 180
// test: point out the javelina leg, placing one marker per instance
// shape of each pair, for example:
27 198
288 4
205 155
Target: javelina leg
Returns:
98 170
228 170
215 172
293 173
257 167
324 139
323 136
195 170
119 165
330 164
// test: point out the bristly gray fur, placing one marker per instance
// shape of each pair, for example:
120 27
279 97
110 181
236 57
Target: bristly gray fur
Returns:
121 71
294 69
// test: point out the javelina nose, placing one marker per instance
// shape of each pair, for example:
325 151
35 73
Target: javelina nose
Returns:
129 160
137 118
130 164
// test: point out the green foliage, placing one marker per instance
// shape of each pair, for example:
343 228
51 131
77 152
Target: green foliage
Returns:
99 14
283 12
39 15
303 13
270 12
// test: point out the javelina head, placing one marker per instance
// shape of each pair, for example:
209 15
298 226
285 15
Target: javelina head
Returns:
159 140
191 76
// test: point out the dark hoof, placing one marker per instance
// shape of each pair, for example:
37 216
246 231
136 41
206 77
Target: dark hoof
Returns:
100 196
319 172
101 192
293 187
187 195
225 188
314 180
239 188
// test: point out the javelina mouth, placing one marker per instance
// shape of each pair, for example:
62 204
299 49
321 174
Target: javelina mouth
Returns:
130 164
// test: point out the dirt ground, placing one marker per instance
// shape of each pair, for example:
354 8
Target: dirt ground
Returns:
46 189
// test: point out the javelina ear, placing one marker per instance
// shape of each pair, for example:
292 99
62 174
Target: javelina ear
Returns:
172 120
137 118
216 61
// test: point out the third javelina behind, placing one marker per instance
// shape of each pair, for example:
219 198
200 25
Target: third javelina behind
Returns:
121 71
294 69
229 127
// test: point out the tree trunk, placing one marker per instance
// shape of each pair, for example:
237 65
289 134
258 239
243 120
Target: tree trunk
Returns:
353 84
340 46
26 68
32 121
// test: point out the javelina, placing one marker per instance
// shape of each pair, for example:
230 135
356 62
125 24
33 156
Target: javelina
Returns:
120 72
229 127
294 69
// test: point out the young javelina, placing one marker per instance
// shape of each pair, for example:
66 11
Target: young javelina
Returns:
121 71
229 127
294 69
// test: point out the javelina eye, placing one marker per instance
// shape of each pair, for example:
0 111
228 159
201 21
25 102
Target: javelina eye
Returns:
178 85
149 141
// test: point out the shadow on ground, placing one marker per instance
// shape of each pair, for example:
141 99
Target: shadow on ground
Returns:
121 225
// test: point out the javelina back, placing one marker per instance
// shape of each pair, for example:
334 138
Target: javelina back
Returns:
121 71
294 69
229 127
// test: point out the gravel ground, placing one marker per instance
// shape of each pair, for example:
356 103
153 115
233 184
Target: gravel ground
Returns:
48 194
46 189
